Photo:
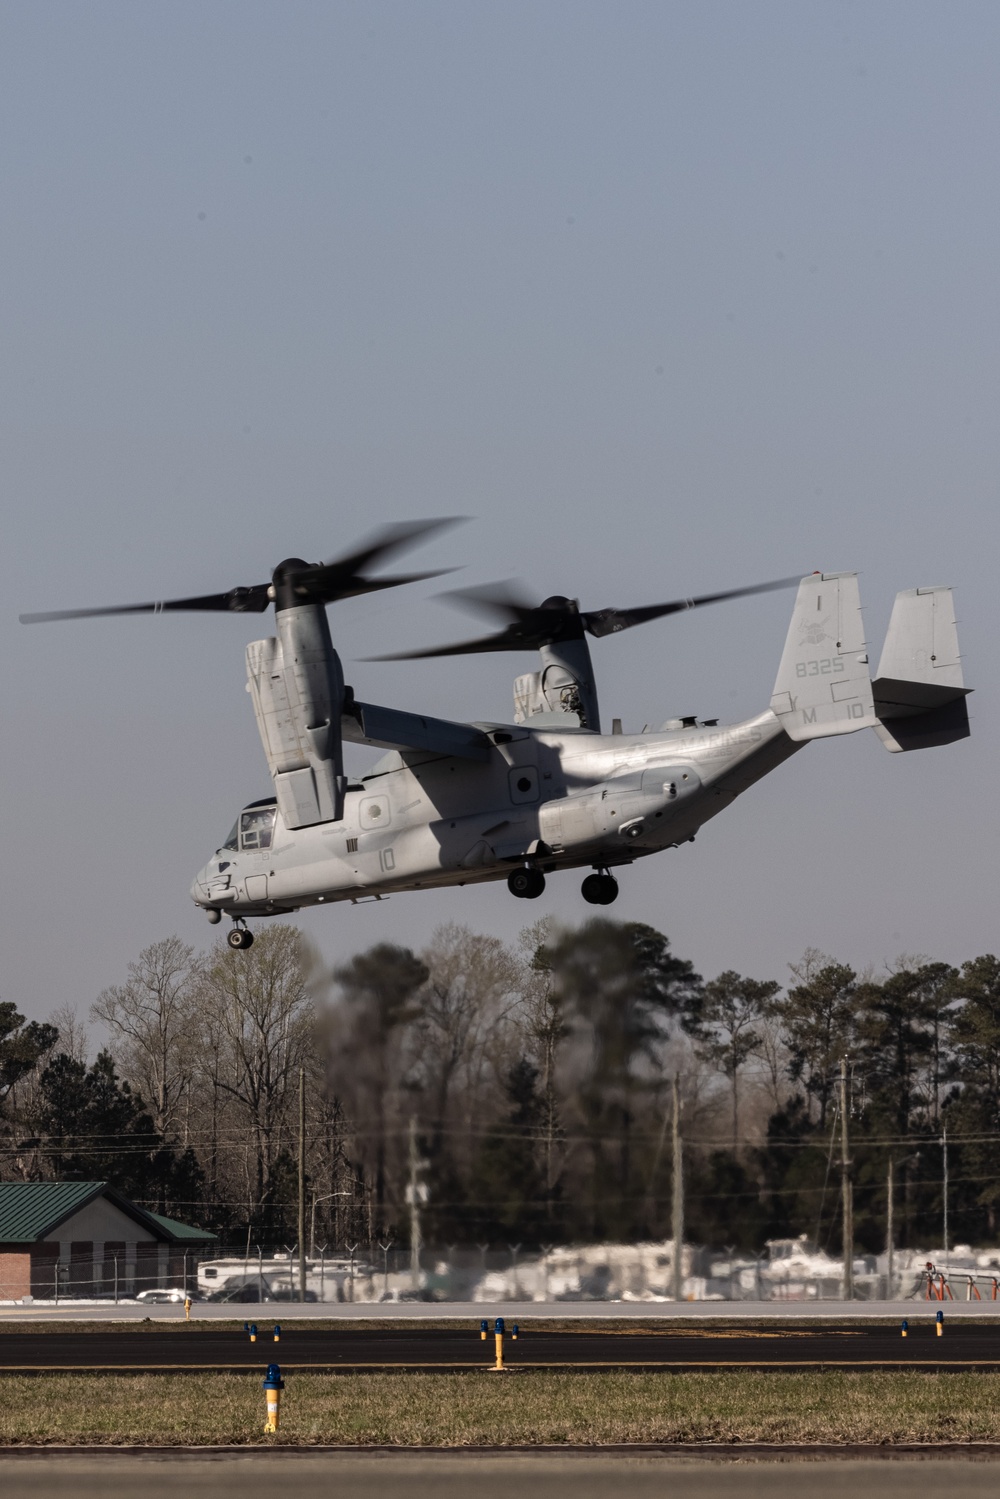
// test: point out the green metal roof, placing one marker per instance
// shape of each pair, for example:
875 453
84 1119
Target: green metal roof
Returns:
182 1231
29 1210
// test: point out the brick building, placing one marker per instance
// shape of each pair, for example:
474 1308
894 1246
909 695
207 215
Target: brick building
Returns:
85 1239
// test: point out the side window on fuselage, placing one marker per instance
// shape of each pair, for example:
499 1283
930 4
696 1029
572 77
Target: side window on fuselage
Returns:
256 828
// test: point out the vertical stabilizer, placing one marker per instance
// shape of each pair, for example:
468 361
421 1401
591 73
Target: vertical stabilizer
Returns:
920 690
823 686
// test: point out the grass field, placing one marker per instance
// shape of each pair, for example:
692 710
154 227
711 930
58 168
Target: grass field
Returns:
476 1409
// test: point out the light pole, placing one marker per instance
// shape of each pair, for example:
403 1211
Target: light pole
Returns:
846 1191
312 1217
385 1266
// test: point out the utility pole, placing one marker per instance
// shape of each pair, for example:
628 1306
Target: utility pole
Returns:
846 1189
944 1152
302 1184
889 1234
413 1193
677 1215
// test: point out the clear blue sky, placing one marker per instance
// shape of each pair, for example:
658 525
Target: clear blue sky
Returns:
669 297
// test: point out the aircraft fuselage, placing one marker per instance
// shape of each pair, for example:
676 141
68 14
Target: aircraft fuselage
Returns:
552 799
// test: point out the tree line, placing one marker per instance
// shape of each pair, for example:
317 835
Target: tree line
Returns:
520 1092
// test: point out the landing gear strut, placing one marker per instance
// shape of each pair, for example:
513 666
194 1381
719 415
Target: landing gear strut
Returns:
600 889
240 937
526 883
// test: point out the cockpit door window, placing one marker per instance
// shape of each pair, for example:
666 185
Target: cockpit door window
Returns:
256 828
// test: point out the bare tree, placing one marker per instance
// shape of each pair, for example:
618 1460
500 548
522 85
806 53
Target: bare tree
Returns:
74 1039
149 1020
259 1000
470 994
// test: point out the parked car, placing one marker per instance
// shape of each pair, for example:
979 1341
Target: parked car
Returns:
252 1291
166 1295
246 1290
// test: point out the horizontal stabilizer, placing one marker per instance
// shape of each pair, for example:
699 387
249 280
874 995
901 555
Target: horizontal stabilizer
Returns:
926 730
823 686
920 692
391 728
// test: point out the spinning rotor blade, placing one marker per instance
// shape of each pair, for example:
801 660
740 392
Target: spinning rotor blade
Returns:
501 600
343 577
237 601
502 642
558 619
532 625
602 622
316 583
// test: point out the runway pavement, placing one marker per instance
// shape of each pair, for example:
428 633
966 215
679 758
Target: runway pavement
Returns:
348 1349
489 1476
521 1311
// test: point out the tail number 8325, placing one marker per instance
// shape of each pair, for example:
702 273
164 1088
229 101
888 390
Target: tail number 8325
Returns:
824 667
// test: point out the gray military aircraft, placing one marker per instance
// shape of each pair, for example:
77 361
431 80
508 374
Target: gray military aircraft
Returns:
457 804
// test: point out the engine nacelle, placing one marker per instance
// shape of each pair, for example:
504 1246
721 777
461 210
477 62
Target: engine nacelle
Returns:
297 686
563 689
553 690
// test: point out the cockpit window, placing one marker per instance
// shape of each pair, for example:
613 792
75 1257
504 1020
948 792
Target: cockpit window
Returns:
233 841
256 827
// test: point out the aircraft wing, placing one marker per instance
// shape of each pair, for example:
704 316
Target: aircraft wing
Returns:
391 728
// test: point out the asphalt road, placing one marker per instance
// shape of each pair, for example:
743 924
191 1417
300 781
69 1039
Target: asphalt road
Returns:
168 1348
520 1311
454 1476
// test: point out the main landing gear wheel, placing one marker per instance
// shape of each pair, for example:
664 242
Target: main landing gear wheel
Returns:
239 937
600 889
526 884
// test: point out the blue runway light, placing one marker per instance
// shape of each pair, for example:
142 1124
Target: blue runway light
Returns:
484 1328
273 1386
499 1328
513 1331
277 1333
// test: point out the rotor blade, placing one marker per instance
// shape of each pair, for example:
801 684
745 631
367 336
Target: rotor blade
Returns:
384 542
237 601
531 625
506 640
352 588
600 622
502 600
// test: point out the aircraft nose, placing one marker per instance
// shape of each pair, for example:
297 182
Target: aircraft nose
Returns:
199 886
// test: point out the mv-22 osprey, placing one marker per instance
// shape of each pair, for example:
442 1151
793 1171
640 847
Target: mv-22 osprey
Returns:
457 804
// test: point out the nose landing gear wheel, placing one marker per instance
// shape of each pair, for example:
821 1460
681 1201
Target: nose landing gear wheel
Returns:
239 937
599 889
526 884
